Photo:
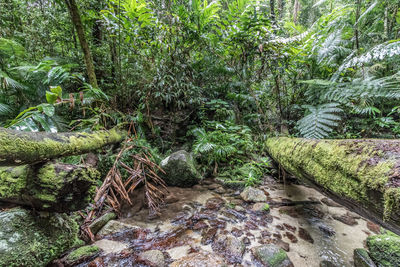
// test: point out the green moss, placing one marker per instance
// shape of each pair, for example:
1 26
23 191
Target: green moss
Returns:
342 166
34 147
83 252
385 249
29 240
266 207
277 259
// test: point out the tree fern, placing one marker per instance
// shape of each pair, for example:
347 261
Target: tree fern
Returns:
320 120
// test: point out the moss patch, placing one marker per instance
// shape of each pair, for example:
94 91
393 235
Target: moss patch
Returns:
28 240
385 249
82 253
348 168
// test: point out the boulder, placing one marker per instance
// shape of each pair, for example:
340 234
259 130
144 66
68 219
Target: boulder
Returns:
97 224
180 169
362 259
114 226
28 240
230 246
272 256
251 194
384 249
153 258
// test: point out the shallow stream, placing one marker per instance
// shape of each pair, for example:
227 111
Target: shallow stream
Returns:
313 229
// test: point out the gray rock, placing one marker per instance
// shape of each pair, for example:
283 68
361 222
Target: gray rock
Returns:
114 226
29 240
230 246
97 224
361 258
272 256
153 257
251 194
180 169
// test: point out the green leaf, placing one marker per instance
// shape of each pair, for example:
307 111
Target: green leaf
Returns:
51 97
57 90
46 109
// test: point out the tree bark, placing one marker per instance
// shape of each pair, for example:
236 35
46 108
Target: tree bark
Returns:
296 10
49 187
77 22
362 174
19 148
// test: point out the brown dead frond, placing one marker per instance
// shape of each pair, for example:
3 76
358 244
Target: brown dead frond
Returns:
114 191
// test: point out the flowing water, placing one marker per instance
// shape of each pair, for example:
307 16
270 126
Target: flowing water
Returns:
301 221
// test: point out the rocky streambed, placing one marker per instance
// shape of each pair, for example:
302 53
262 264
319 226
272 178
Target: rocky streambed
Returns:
209 225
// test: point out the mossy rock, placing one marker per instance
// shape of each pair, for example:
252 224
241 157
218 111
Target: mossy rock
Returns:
385 249
29 240
362 259
272 256
180 169
81 254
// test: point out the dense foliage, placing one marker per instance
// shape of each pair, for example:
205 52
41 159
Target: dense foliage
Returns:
214 76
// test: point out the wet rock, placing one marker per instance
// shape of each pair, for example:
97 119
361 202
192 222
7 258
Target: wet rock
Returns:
384 249
171 198
236 232
291 237
214 203
271 256
180 169
152 257
330 203
251 194
213 186
260 207
246 241
200 225
234 214
97 224
328 231
362 259
179 252
28 239
237 202
291 211
239 208
326 263
305 235
220 190
202 258
289 227
109 246
374 227
217 223
277 235
346 219
250 225
199 188
279 227
231 247
80 255
208 236
265 234
114 226
283 245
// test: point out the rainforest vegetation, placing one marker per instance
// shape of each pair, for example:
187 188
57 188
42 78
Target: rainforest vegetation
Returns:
216 78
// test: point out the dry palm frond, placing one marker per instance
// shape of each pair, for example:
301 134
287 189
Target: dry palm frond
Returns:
115 191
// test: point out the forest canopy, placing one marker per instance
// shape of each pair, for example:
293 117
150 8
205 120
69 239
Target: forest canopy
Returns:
201 70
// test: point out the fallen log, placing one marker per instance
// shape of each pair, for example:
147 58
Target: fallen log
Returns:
364 175
48 187
19 148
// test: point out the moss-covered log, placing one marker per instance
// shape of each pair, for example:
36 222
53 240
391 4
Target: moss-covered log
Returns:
364 174
51 186
19 148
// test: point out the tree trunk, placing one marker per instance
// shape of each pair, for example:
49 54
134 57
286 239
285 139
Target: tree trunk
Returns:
296 10
76 20
50 187
19 148
356 29
362 174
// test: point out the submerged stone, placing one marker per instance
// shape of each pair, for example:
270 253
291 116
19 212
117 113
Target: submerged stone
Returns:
202 258
153 258
28 240
180 169
231 247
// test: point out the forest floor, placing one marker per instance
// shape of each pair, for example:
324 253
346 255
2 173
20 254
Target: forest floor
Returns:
209 224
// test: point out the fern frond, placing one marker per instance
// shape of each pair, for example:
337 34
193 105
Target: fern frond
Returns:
320 120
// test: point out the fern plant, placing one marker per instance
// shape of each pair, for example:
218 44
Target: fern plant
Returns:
320 121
